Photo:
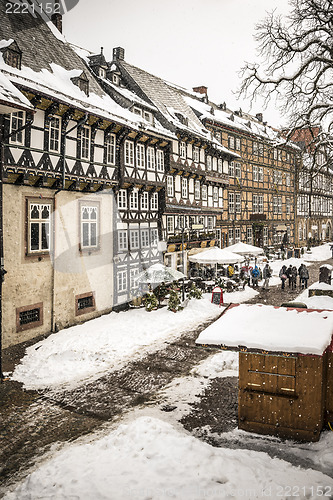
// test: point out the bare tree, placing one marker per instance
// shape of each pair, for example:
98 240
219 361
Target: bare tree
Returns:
297 56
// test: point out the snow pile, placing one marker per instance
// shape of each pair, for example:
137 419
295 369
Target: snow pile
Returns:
222 364
148 458
272 329
106 343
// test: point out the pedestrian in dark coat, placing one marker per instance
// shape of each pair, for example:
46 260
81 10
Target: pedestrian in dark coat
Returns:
288 273
303 276
266 274
283 276
293 277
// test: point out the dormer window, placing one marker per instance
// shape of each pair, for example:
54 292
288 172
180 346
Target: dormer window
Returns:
137 111
101 72
115 79
182 118
82 82
12 55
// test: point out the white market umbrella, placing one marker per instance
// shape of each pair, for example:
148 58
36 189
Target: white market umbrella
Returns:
245 249
216 256
158 273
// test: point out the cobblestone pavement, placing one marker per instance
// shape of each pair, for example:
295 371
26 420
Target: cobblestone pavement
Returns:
31 422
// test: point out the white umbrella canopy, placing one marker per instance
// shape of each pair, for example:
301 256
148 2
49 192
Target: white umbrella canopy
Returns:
216 256
245 249
158 273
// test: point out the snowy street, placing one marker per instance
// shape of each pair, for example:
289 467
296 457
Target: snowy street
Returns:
156 416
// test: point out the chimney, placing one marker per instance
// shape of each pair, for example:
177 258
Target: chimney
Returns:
200 90
57 21
118 53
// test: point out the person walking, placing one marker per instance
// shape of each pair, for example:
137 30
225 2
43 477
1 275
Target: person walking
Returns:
288 273
293 277
266 274
230 271
303 276
283 276
255 273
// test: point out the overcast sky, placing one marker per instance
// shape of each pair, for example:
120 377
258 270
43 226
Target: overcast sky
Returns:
187 42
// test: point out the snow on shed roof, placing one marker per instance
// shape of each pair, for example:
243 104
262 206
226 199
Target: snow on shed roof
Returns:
269 328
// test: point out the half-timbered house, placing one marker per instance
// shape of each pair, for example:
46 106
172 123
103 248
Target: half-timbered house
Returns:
260 198
143 160
66 164
197 171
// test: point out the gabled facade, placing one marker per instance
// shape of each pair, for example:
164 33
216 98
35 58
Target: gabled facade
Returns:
261 191
314 208
197 170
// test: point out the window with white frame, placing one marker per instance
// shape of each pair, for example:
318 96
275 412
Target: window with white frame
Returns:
288 180
261 149
238 172
150 158
170 224
275 205
237 234
255 148
160 160
144 238
216 194
300 231
154 202
134 271
89 226
255 204
122 199
209 163
85 143
154 237
249 235
288 206
16 122
231 142
148 116
110 144
196 154
238 144
204 192
230 236
210 223
220 166
129 153
260 204
54 134
231 203
182 149
170 186
184 187
231 169
279 177
265 236
197 190
134 200
140 156
122 281
122 240
39 225
134 239
275 154
214 164
144 200
255 173
279 205
238 203
260 174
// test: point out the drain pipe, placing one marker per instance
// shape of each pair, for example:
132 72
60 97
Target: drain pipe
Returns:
80 122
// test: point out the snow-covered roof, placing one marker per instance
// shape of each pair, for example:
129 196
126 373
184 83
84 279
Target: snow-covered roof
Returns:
269 328
11 97
50 72
235 120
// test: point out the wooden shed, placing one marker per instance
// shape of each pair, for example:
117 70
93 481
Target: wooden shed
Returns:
285 367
